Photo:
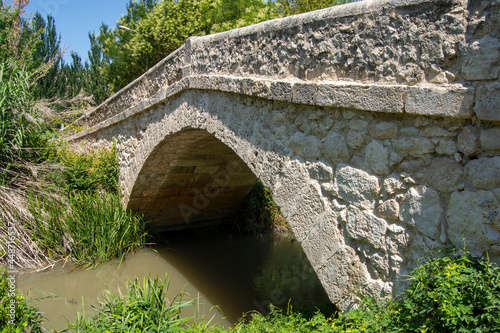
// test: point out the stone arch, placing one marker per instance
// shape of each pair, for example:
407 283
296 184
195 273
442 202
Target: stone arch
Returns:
190 178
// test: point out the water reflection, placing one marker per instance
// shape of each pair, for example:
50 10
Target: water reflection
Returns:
231 274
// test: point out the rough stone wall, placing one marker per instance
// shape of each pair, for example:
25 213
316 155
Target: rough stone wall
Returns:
370 176
365 42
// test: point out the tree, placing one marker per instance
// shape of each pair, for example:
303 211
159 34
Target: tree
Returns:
291 7
18 38
47 53
159 28
95 82
233 14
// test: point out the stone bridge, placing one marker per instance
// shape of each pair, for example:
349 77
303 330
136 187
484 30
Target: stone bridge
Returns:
375 125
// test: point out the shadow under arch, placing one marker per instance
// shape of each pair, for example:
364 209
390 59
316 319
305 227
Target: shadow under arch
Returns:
190 179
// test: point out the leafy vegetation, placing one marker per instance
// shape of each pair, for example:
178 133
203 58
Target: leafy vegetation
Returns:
90 172
259 213
291 7
453 293
144 308
21 133
15 314
86 227
157 28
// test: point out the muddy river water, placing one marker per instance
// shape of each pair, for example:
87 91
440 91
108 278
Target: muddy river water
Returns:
230 275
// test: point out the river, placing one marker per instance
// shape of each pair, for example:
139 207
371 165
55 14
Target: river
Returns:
230 274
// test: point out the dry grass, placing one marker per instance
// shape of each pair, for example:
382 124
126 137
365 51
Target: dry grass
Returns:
14 210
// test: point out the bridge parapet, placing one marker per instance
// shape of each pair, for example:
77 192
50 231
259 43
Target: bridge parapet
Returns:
421 45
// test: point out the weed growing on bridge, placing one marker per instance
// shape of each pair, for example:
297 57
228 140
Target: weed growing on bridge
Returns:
259 213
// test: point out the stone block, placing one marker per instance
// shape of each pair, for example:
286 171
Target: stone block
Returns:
334 147
377 157
362 225
490 139
258 88
473 219
356 186
444 174
468 142
487 106
384 130
304 93
414 146
231 84
389 209
368 97
440 101
421 208
280 91
343 273
481 59
484 172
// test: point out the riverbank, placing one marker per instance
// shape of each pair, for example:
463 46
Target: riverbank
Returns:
226 274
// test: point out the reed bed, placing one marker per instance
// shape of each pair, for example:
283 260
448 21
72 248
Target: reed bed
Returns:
86 228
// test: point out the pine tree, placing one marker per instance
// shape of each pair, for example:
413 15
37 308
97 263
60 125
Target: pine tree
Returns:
95 83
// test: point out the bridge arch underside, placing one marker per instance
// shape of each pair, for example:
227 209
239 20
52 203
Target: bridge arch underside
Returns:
368 194
191 179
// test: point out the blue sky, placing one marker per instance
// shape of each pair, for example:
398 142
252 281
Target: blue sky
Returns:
75 18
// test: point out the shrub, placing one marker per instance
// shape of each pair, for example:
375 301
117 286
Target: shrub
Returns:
454 293
284 322
92 171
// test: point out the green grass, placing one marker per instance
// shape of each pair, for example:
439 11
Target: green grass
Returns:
21 131
453 293
143 308
90 172
87 227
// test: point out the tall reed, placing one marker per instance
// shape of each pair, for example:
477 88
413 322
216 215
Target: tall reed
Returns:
87 227
20 130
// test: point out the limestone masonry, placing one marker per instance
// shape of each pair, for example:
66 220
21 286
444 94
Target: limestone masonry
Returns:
375 125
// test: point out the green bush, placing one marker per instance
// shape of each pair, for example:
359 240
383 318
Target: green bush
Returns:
284 322
454 293
90 172
15 314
